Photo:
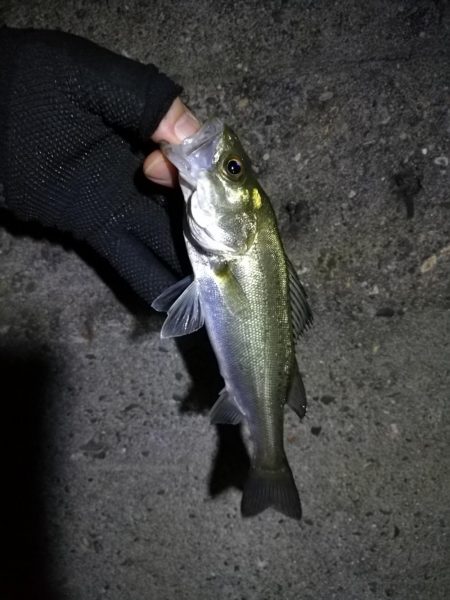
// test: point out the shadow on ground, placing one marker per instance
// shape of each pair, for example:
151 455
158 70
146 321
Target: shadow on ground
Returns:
170 199
24 570
231 462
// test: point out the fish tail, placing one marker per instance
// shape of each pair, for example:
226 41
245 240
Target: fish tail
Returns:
271 488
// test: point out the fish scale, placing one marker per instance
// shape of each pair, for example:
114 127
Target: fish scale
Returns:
241 291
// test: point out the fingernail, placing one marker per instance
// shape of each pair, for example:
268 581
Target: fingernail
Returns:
165 182
186 125
151 163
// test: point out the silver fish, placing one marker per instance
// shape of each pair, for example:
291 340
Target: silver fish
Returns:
248 295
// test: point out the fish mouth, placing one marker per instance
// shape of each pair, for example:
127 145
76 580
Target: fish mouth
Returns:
196 153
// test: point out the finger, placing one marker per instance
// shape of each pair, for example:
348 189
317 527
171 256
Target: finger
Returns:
177 124
159 170
159 227
138 265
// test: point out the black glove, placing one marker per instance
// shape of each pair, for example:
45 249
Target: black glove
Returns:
73 119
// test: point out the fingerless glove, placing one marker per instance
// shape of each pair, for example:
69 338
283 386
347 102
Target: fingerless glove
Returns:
74 119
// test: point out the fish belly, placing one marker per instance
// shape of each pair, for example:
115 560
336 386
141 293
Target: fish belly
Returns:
252 341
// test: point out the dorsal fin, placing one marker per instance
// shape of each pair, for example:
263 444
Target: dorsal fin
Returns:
302 317
297 395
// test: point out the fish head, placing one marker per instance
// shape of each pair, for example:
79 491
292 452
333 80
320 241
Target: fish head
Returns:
219 187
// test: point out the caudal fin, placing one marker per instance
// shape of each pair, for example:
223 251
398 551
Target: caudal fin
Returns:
275 489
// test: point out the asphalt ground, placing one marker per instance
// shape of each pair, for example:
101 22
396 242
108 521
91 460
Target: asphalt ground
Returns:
114 484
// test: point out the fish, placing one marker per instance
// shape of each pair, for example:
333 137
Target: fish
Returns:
246 292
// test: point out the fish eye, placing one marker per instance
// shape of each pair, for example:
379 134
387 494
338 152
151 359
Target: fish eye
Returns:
234 167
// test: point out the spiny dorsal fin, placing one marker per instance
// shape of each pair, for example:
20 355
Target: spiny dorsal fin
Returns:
302 317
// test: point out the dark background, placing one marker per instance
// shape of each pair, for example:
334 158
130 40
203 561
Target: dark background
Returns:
113 483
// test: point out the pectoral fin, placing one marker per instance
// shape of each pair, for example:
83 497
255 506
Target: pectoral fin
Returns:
302 317
297 394
165 300
185 315
225 411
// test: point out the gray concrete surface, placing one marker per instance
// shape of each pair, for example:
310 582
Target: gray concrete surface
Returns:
108 470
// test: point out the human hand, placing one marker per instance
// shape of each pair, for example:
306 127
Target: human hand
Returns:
74 120
177 124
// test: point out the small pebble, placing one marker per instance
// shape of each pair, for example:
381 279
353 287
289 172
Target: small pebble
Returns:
325 96
445 251
327 399
386 311
428 264
441 161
